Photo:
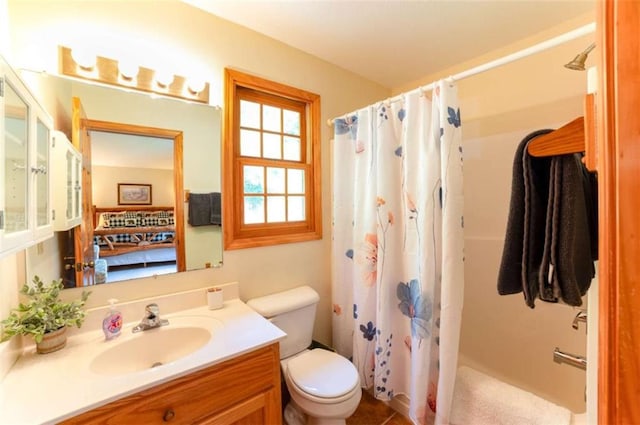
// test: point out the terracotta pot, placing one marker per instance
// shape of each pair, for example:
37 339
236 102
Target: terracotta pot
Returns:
52 341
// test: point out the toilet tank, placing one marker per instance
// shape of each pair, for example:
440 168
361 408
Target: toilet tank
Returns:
293 311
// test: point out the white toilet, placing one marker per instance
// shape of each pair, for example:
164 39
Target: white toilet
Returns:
323 385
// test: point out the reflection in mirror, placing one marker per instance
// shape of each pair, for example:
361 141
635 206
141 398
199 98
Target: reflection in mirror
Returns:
134 226
16 160
42 169
117 159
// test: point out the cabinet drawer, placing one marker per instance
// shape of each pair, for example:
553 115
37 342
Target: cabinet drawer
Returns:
187 399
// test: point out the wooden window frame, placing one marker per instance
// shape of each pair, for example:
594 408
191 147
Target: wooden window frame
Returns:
236 234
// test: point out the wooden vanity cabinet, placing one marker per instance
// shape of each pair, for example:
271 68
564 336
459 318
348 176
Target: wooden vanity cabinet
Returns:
243 390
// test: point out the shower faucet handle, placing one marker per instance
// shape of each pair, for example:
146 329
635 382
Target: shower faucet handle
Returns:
580 317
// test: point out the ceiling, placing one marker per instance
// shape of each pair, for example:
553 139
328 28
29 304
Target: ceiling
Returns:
126 150
396 42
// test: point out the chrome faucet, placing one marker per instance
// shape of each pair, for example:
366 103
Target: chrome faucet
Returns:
151 319
580 317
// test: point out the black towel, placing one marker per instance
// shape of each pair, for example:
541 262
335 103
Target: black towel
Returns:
549 292
525 231
204 209
551 239
216 213
574 265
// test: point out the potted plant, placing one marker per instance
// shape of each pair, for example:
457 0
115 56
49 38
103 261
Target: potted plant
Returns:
45 317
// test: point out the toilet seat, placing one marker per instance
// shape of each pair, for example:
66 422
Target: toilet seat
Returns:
323 375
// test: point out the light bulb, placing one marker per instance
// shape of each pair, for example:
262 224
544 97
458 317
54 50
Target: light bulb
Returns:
196 84
83 57
128 69
164 78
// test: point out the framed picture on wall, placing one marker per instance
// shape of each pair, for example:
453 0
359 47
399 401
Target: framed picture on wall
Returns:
134 194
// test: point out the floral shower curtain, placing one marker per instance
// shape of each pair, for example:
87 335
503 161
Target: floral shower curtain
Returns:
398 247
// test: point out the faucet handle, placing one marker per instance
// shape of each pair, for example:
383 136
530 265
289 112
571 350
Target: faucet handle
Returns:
151 319
152 310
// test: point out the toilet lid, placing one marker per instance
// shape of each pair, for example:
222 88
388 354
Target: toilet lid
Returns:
323 373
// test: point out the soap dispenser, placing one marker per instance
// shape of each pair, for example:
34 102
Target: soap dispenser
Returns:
112 323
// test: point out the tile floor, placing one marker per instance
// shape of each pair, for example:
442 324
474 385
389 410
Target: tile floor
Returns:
375 412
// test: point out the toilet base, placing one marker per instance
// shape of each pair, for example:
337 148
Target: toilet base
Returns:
293 415
319 421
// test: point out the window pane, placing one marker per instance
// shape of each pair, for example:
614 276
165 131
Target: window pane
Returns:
253 209
250 143
271 146
275 209
292 148
291 122
253 179
296 208
271 118
249 114
275 180
295 181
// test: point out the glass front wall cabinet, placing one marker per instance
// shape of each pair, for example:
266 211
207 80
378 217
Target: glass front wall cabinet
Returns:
67 205
41 171
25 195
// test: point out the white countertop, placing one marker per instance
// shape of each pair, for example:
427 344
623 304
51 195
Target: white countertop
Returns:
47 388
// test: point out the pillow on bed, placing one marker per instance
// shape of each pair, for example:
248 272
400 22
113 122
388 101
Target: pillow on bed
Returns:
165 218
116 220
159 218
111 219
149 219
130 222
132 218
102 222
123 219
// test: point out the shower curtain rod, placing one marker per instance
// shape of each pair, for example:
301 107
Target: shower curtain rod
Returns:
536 48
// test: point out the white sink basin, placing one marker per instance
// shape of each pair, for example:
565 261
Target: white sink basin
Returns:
155 347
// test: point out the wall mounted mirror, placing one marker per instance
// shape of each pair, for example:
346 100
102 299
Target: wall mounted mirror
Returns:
124 166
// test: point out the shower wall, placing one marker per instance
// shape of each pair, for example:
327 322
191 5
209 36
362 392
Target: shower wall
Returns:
500 334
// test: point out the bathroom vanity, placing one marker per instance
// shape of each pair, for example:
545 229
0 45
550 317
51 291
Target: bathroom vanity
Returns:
205 367
244 390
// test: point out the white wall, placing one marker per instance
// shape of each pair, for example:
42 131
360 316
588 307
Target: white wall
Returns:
210 43
4 28
12 270
104 181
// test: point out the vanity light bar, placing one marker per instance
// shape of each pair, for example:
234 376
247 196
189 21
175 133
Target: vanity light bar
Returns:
106 71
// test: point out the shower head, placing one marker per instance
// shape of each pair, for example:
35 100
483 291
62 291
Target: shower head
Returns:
577 64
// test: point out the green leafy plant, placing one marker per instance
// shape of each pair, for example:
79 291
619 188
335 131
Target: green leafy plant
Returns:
44 312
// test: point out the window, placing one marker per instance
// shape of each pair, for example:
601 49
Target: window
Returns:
271 175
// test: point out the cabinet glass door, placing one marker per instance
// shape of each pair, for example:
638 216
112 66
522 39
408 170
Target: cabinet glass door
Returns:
16 162
41 170
70 165
77 193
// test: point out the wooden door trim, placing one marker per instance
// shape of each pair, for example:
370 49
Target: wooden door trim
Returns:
178 185
619 228
83 234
